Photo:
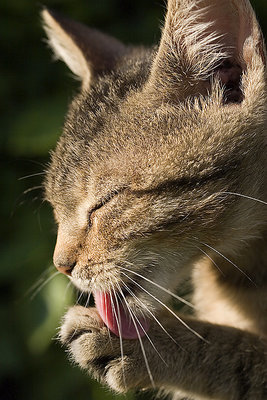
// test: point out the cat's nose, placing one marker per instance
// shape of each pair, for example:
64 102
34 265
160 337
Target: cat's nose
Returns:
65 253
65 268
63 261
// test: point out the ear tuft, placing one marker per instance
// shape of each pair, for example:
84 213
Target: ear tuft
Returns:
87 52
64 47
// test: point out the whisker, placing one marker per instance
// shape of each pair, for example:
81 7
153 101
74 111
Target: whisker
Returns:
79 298
31 175
141 344
35 162
213 262
161 287
153 316
146 334
18 203
41 278
167 308
88 298
231 262
245 197
108 329
32 188
118 321
44 284
66 290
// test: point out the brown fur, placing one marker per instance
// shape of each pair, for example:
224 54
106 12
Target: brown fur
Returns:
161 170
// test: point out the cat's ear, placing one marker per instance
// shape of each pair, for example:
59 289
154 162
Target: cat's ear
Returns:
87 52
203 38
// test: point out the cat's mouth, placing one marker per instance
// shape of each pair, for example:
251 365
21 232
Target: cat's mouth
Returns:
118 316
120 309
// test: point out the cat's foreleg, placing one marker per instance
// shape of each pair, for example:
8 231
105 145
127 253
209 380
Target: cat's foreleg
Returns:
225 364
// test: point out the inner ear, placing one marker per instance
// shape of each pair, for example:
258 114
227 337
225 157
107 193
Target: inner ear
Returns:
229 73
203 40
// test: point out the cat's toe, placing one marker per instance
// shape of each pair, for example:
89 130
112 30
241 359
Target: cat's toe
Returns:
87 339
125 373
92 351
94 348
78 321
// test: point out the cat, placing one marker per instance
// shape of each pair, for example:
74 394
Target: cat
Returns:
159 178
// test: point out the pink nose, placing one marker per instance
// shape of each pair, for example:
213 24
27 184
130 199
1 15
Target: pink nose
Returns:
65 269
63 262
65 254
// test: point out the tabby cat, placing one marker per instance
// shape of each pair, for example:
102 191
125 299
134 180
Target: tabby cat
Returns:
160 178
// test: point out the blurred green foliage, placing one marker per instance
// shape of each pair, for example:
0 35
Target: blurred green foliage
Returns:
34 97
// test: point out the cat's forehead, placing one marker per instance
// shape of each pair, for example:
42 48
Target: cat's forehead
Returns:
138 145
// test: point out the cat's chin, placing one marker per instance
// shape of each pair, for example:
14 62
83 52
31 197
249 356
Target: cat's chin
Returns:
84 285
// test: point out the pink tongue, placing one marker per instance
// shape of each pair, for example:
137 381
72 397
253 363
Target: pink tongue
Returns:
118 319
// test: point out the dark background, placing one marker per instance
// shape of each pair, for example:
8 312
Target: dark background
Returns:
34 96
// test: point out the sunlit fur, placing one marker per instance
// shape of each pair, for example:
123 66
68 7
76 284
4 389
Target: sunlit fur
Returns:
160 178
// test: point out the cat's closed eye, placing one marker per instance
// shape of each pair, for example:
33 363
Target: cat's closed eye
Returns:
102 202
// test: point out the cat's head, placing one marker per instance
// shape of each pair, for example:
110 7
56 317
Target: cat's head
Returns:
142 180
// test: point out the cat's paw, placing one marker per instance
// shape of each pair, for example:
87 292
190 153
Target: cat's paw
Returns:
118 364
